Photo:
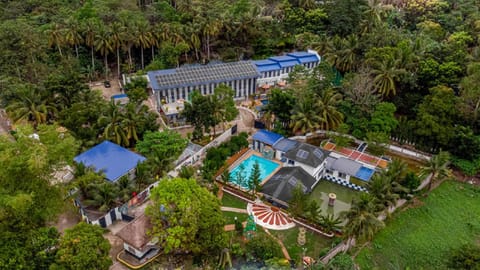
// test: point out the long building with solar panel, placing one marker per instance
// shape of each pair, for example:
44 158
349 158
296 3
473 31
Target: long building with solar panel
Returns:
244 77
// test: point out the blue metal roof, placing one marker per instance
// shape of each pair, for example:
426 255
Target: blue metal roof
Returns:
112 159
289 63
267 137
300 54
282 58
269 68
264 62
285 144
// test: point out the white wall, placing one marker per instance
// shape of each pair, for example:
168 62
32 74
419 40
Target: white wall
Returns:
134 251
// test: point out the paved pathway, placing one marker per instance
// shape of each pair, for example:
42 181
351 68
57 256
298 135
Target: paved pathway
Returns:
232 209
284 249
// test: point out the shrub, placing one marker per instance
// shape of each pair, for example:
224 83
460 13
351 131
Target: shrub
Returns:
466 257
263 247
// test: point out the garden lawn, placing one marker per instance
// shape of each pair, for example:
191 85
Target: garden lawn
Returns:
230 217
422 237
232 201
316 245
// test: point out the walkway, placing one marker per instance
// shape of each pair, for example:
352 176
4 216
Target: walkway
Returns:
284 249
235 210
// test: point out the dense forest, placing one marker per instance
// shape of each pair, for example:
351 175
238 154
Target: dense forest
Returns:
402 70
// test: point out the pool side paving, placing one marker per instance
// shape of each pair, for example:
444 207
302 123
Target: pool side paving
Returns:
247 155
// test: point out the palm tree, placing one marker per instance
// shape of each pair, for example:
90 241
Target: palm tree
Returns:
327 110
55 37
437 167
341 53
362 221
30 106
132 118
305 117
117 40
385 75
330 223
103 195
144 37
125 188
90 29
104 45
381 188
112 123
73 35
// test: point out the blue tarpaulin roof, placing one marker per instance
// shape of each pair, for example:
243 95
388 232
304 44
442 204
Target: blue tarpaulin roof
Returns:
112 159
267 137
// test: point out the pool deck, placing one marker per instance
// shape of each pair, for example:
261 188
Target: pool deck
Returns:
250 153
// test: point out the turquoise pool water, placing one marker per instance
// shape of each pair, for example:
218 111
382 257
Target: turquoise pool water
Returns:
266 168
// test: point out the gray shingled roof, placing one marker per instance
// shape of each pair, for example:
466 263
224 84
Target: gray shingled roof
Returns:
198 75
284 181
285 144
307 154
343 165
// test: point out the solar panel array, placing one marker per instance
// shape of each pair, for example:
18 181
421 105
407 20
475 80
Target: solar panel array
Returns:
302 154
190 76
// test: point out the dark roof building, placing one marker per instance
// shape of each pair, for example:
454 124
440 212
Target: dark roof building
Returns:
111 159
201 75
285 180
307 154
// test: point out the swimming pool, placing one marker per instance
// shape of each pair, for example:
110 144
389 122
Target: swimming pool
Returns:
266 168
364 173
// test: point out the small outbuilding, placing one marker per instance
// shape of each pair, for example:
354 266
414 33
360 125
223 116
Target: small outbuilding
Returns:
111 159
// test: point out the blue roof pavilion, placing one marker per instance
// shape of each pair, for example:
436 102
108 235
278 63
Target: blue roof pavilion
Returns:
112 159
266 65
267 137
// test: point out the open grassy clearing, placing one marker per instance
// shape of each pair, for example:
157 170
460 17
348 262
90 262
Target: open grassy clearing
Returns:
422 237
232 201
316 245
230 217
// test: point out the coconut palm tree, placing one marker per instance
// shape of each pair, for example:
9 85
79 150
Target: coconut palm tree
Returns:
29 105
132 118
125 188
326 109
117 31
103 195
90 29
104 45
305 117
437 167
56 37
144 37
362 220
380 187
73 34
386 74
330 223
113 126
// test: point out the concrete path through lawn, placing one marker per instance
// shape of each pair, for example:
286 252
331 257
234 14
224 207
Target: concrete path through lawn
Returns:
232 209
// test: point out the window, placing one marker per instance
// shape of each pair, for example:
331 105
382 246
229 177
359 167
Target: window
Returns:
291 162
342 175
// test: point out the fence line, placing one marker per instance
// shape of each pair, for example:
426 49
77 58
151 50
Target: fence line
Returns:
195 157
404 151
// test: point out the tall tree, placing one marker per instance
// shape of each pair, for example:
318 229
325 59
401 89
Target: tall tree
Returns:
83 247
186 218
73 34
103 44
362 220
437 167
56 37
117 31
144 37
327 110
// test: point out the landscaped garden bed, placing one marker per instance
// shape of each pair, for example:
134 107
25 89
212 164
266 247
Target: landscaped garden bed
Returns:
315 245
423 237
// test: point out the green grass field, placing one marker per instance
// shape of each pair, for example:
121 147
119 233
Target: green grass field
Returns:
231 201
422 237
230 217
314 245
